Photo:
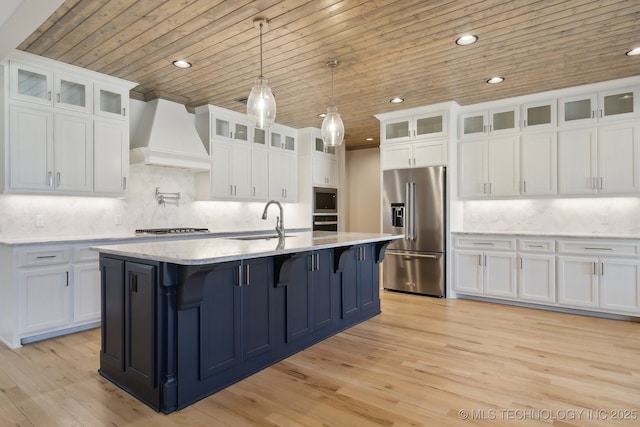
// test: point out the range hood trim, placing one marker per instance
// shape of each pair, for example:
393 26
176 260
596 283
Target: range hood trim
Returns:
166 158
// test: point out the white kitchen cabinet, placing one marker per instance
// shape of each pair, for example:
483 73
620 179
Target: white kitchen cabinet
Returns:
50 151
56 143
578 281
488 122
283 138
604 276
86 286
537 273
488 167
417 127
283 176
485 265
111 154
602 107
111 101
486 273
259 174
414 154
231 171
539 115
538 164
45 298
324 163
36 84
600 160
229 129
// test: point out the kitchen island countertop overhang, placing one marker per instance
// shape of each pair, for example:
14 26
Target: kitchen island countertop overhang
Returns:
223 249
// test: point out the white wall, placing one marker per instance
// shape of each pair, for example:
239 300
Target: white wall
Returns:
363 190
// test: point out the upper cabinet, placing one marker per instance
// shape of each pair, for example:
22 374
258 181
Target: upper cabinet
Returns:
283 138
479 123
539 115
61 138
430 125
600 106
43 86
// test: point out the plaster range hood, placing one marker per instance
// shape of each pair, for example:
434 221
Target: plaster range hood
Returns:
167 136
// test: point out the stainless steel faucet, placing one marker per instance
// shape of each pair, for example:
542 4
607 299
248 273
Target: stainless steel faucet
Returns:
279 219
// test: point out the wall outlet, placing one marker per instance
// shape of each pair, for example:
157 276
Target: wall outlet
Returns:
604 219
39 221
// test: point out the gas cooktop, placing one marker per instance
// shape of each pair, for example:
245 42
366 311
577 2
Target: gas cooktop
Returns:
178 230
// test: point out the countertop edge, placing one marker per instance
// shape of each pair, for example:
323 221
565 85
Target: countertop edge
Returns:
548 235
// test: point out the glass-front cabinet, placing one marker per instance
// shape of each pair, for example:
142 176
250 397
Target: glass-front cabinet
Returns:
283 138
479 123
609 105
539 115
320 147
433 125
38 85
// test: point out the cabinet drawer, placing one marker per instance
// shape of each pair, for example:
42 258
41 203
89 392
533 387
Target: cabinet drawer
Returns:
35 257
485 243
536 245
598 248
83 253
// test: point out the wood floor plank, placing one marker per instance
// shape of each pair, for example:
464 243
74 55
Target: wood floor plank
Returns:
422 362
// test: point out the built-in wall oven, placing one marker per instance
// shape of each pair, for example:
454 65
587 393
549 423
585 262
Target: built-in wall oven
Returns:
325 209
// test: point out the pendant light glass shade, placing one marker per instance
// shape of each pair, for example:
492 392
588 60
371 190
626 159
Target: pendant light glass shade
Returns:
332 126
261 104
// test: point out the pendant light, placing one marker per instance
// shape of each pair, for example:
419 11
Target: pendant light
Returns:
261 105
332 126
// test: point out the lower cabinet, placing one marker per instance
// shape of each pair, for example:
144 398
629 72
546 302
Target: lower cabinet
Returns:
359 288
595 275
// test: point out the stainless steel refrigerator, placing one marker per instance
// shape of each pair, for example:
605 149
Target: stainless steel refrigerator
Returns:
414 204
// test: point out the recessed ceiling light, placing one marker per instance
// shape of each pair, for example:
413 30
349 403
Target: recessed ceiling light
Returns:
181 63
396 100
633 52
466 40
368 139
494 80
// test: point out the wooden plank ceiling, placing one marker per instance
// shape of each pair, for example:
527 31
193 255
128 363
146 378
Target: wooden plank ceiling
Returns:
386 48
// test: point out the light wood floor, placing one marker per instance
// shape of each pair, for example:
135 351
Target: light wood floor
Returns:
421 362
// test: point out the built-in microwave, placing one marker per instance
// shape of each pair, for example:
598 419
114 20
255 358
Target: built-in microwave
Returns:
325 200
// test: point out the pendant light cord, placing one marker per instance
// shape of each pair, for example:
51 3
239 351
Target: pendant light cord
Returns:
261 50
332 67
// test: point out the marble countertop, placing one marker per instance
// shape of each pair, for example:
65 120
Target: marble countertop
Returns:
552 234
125 237
223 249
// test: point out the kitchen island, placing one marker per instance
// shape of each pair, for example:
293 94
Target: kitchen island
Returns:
184 319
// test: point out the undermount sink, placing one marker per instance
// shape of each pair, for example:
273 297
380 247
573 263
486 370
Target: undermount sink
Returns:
261 237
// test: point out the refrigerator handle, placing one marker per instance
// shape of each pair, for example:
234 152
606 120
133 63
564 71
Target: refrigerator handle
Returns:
407 219
413 211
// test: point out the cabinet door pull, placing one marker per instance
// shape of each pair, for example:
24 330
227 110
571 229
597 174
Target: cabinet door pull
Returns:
49 96
45 256
524 186
58 179
485 260
598 249
317 262
594 268
246 279
479 260
601 181
602 268
124 182
483 243
58 96
124 112
311 261
525 122
520 263
240 275
134 283
50 178
67 273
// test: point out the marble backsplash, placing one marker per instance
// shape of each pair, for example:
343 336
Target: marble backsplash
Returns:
101 216
615 215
